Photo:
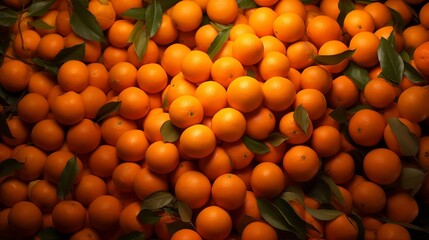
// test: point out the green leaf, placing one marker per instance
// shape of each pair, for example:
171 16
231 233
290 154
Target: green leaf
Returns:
218 42
177 225
345 7
50 233
132 236
296 223
339 114
9 166
185 211
4 45
106 109
4 127
135 13
40 24
301 117
406 225
167 4
293 193
67 178
255 146
391 62
140 39
405 56
147 216
361 227
319 190
411 179
397 22
272 214
246 4
10 99
157 200
412 74
323 214
358 75
76 52
408 141
276 139
84 23
7 16
250 73
333 59
333 187
357 108
153 17
169 132
46 65
38 8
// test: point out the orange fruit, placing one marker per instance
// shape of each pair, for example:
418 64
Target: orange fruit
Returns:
275 154
341 167
69 216
93 98
173 56
41 82
279 93
17 70
411 103
122 6
424 20
259 230
134 103
68 108
272 43
85 233
113 55
44 194
104 13
423 153
228 191
342 227
248 49
26 43
380 13
19 131
196 66
152 78
332 47
128 221
205 219
228 124
167 32
162 157
313 101
48 127
12 191
379 93
239 155
316 77
92 48
73 76
197 141
50 45
89 188
104 212
33 160
119 33
132 145
62 23
193 180
148 182
301 163
103 160
402 207
365 45
83 137
216 164
402 8
390 231
300 54
368 197
259 19
28 103
55 164
274 64
292 131
152 125
223 12
267 180
321 29
260 123
225 69
343 92
382 166
151 55
124 175
186 111
25 219
245 102
122 75
366 127
391 140
113 127
212 95
385 32
186 15
204 37
415 36
357 21
326 141
347 205
289 27
186 234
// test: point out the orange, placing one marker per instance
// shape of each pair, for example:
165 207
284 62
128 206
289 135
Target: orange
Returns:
365 45
85 233
326 141
48 127
366 127
122 75
41 82
239 155
332 47
239 29
62 23
98 76
73 76
205 219
28 104
124 175
379 93
184 166
259 19
151 55
402 8
292 131
204 37
385 33
128 221
162 157
12 191
186 234
5 152
345 207
382 166
248 49
50 19
340 167
279 93
266 3
186 15
212 96
26 43
411 103
368 197
300 54
92 48
104 13
68 108
316 77
423 154
415 36
19 131
391 140
390 231
103 160
196 66
113 127
167 32
148 182
119 33
421 54
122 6
245 102
69 216
50 45
330 8
322 29
25 219
424 20
275 154
113 55
259 230
223 11
260 123
289 27
83 137
197 141
104 212
380 13
134 103
186 111
228 124
274 64
132 145
93 98
294 6
152 78
17 70
178 86
228 191
342 227
343 92
267 180
301 163
225 69
33 159
5 229
152 125
313 101
249 208
402 207
198 184
55 164
216 164
89 188
357 21
44 194
173 56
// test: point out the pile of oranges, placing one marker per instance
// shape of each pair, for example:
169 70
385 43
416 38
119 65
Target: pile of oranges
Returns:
214 119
